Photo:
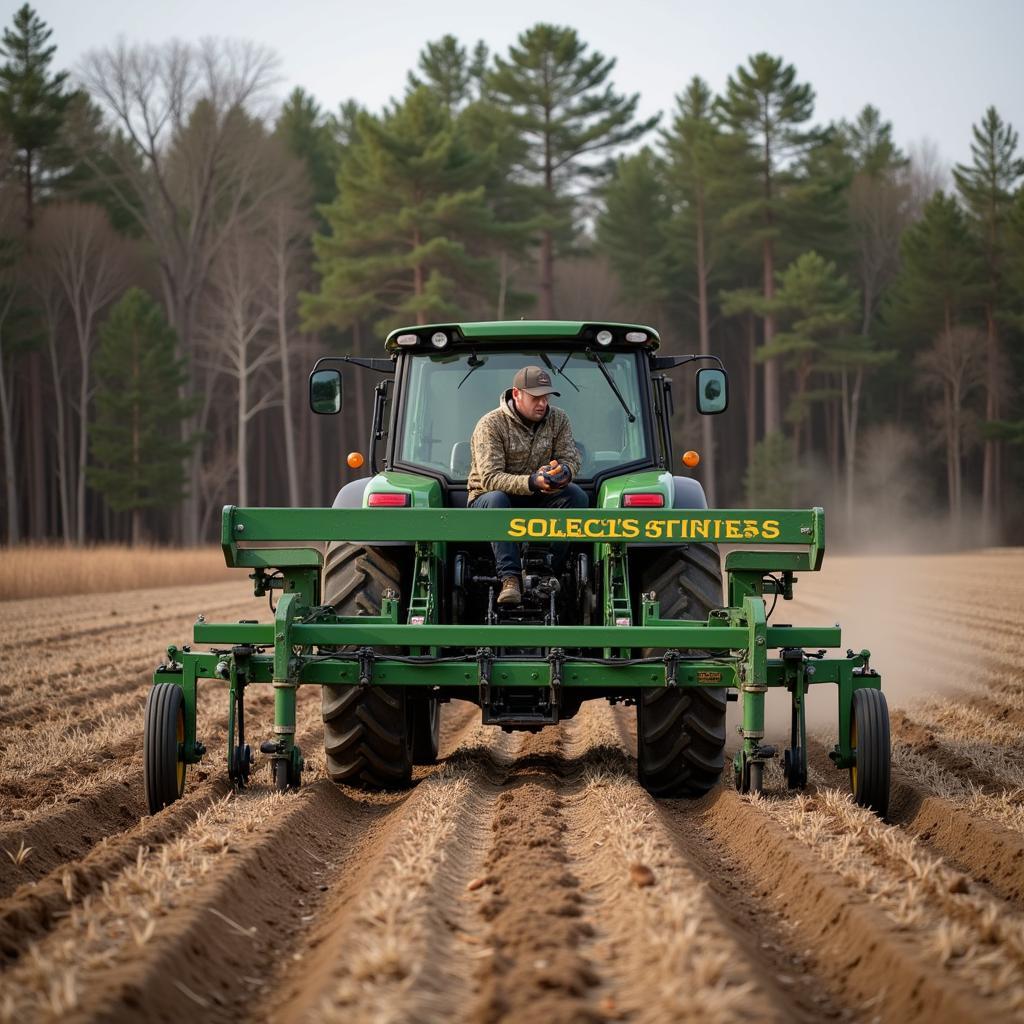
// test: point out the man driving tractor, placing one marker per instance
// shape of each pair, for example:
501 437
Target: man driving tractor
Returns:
524 456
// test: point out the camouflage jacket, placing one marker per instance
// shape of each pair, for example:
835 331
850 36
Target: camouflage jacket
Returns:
506 450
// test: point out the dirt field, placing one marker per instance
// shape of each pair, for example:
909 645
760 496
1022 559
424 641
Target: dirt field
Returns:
524 877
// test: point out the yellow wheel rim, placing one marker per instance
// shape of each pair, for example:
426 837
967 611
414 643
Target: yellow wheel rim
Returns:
853 746
180 734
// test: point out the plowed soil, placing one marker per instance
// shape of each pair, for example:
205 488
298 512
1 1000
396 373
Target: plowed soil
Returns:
523 877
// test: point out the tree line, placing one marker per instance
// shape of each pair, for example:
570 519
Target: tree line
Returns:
176 248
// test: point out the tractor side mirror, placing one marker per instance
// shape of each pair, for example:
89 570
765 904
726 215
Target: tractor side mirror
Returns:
325 392
712 391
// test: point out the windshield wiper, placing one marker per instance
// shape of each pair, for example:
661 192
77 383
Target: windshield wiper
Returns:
551 366
474 364
611 384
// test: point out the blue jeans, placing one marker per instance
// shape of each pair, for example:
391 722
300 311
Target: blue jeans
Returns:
506 553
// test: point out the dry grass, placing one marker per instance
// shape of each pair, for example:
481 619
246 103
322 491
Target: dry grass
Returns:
1005 808
968 932
49 570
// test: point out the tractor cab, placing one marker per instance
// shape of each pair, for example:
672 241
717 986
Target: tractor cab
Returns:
440 379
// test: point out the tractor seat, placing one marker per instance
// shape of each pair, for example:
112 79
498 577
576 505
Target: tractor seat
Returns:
460 460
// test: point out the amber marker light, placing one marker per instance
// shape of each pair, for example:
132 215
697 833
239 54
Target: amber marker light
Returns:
355 460
691 459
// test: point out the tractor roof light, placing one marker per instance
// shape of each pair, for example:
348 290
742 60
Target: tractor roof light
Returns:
388 499
637 337
438 339
652 499
604 337
408 339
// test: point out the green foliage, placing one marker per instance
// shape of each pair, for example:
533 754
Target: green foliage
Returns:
408 222
986 187
709 172
817 310
306 133
634 229
449 72
869 144
138 461
558 97
815 303
570 119
940 278
33 101
774 477
764 103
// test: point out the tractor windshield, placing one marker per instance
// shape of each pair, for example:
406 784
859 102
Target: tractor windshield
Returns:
447 393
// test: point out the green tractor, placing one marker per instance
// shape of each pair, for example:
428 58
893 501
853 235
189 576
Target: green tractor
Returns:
387 601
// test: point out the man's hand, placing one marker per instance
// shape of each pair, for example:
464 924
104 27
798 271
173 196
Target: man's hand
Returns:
558 473
552 476
539 481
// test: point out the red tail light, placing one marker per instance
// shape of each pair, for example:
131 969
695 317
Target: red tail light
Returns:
643 501
388 499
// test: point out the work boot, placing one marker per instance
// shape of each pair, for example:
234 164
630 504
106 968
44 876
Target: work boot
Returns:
511 593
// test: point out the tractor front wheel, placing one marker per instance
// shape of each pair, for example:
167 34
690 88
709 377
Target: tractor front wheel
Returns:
368 731
681 731
869 737
163 736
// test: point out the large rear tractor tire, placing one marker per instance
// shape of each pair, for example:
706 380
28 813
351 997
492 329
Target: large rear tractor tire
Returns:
426 731
681 732
368 733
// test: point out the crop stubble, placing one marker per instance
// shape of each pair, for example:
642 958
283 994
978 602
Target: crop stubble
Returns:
523 877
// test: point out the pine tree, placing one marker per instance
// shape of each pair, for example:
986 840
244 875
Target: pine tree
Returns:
32 100
708 171
572 120
986 186
408 218
938 285
817 308
306 133
765 102
138 459
634 231
448 71
868 141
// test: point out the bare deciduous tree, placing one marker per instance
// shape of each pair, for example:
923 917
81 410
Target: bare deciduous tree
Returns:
91 262
236 334
927 174
190 165
288 231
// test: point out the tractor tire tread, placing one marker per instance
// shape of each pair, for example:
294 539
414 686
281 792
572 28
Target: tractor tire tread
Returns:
366 731
681 732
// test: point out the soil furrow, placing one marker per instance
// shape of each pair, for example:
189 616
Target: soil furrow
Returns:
989 853
35 908
866 960
531 907
666 945
396 940
159 626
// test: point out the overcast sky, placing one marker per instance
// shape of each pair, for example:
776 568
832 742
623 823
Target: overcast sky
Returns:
930 66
